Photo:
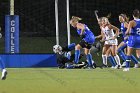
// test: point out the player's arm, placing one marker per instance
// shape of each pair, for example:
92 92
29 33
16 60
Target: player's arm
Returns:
116 29
130 25
125 24
82 27
99 36
103 37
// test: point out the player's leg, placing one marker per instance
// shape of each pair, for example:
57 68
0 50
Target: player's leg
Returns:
70 47
89 57
135 61
110 58
4 72
138 53
121 50
77 53
116 57
128 58
104 56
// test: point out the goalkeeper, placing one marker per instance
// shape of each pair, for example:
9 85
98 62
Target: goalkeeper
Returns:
63 59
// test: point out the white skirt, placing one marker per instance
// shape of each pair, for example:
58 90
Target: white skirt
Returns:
111 42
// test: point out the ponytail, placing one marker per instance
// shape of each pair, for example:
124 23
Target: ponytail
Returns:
74 18
126 19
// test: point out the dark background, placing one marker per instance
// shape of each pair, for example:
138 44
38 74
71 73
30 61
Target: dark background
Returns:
37 20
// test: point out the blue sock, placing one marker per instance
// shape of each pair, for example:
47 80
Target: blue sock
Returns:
112 61
128 61
77 55
122 55
71 46
2 64
133 58
121 52
127 64
89 58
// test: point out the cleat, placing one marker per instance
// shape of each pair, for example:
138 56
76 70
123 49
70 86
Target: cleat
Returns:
103 66
136 66
124 64
94 66
126 69
118 67
113 67
70 65
4 74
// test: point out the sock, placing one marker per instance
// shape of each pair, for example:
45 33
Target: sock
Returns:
117 59
128 61
2 64
122 55
89 58
133 58
112 61
104 57
93 62
71 46
77 55
121 52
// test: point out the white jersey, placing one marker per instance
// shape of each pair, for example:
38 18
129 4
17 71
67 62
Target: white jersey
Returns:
108 35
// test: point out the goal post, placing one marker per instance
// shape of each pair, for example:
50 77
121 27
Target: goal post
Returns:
12 7
68 25
12 31
68 22
56 22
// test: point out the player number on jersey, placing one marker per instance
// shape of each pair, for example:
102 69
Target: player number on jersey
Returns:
138 31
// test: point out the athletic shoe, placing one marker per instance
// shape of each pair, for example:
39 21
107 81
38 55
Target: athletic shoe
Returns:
4 74
103 66
70 65
118 67
136 66
124 64
126 69
94 65
112 67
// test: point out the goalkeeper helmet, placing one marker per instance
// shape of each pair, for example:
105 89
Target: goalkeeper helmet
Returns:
57 49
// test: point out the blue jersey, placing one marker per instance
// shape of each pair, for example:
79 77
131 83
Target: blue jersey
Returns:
88 35
133 40
136 30
123 29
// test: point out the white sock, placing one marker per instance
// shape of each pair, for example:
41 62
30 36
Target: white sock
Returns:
117 59
3 70
104 57
93 62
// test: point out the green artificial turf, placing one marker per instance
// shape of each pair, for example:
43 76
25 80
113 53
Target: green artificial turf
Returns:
53 80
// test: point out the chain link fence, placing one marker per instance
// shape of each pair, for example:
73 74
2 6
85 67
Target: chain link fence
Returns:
37 20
